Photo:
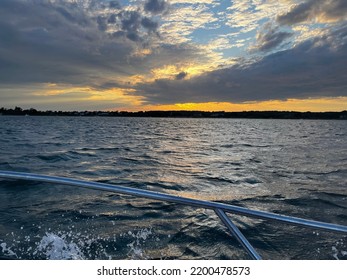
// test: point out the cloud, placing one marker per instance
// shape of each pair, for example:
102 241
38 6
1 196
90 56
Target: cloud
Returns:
115 5
41 41
130 24
312 69
181 75
149 24
194 1
156 6
161 53
184 19
246 15
64 42
269 37
317 10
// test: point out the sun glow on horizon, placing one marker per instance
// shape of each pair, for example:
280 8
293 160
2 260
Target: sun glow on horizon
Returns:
128 99
245 55
301 105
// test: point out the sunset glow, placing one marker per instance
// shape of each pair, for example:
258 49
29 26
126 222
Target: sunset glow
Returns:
173 55
313 105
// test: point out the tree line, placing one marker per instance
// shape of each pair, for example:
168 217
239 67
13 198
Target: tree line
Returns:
18 111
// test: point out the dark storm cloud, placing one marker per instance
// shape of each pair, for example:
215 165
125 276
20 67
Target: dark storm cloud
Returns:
156 6
44 41
48 42
331 10
269 37
315 68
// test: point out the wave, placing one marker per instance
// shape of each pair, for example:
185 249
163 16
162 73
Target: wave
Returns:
244 162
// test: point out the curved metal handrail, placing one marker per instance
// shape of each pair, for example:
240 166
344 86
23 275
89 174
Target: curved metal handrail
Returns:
219 208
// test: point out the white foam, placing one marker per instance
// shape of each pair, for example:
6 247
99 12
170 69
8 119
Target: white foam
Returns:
7 250
335 252
56 247
60 245
136 251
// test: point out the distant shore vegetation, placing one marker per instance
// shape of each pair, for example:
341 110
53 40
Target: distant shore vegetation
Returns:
18 111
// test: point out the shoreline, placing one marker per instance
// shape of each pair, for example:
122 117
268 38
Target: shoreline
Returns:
183 114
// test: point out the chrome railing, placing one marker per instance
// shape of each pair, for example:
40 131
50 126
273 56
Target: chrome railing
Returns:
219 208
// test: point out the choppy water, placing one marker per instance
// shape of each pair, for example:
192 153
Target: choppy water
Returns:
293 167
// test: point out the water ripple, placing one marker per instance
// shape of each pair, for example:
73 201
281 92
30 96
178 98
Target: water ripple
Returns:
285 166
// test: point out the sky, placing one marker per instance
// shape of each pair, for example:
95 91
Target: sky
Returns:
174 55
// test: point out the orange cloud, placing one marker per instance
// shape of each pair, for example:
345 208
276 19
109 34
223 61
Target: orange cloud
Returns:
88 95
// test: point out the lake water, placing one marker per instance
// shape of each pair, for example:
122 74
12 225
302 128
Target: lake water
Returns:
292 167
